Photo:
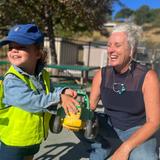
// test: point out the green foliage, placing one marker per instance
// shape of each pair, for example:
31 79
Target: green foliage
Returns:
156 15
144 15
57 16
69 15
124 13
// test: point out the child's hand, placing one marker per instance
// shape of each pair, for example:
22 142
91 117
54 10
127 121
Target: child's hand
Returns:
69 104
71 92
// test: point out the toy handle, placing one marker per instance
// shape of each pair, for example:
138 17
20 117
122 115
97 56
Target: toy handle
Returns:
86 99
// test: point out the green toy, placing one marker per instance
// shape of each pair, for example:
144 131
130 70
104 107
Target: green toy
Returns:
83 120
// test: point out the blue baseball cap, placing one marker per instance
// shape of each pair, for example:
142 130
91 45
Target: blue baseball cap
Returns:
24 34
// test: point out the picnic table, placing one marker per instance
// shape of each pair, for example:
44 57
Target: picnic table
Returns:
84 71
83 77
4 62
4 65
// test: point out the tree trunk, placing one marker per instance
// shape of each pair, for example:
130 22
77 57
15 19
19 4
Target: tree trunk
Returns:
51 37
53 55
50 33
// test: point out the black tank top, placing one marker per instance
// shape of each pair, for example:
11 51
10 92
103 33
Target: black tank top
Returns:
124 110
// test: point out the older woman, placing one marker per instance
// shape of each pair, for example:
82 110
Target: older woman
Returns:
131 97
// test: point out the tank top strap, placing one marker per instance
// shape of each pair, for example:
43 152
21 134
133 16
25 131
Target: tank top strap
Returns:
106 72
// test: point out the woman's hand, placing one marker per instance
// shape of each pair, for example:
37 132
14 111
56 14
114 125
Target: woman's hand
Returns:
68 102
122 153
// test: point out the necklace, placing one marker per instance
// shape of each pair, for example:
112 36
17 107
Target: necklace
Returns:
119 87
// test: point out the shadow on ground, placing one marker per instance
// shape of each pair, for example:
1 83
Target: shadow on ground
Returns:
75 151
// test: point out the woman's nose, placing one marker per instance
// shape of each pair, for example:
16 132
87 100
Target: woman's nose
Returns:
111 49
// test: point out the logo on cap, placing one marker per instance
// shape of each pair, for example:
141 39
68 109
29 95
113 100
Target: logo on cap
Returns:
17 28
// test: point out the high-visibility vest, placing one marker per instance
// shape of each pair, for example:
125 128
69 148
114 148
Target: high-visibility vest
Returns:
19 127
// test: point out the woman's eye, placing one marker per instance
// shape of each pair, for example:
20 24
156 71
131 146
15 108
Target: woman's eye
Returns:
118 45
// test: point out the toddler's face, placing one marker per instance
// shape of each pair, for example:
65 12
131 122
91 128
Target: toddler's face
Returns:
23 56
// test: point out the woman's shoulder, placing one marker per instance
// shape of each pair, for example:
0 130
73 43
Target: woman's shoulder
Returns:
151 81
102 70
98 73
151 75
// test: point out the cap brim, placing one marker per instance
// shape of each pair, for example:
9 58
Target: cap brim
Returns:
18 40
4 42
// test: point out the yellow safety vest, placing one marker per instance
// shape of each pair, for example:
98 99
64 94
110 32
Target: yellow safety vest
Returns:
19 127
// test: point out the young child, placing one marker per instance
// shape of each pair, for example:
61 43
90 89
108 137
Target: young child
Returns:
28 93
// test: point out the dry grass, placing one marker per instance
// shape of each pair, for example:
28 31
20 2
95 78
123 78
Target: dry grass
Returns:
151 35
95 36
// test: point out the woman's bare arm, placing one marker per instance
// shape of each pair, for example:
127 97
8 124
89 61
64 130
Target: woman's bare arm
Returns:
95 90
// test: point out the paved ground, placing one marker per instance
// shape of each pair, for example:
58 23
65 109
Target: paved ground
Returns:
66 146
63 146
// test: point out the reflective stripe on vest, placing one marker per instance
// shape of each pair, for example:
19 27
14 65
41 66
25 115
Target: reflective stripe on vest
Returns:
19 127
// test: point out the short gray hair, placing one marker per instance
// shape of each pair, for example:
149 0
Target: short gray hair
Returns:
134 33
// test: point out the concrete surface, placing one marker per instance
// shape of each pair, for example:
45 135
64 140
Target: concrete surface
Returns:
66 146
63 146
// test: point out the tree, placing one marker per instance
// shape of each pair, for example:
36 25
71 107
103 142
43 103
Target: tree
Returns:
156 14
54 15
143 15
124 13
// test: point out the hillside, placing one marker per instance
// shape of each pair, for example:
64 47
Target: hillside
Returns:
151 36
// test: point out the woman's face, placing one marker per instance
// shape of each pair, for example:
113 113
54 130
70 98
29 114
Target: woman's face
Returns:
119 51
23 56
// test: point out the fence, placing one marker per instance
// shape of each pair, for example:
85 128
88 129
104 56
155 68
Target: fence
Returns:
74 52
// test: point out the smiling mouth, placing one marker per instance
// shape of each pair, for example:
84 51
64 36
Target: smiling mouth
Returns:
15 57
113 57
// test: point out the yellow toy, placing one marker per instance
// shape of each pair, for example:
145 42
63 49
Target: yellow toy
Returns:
83 120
